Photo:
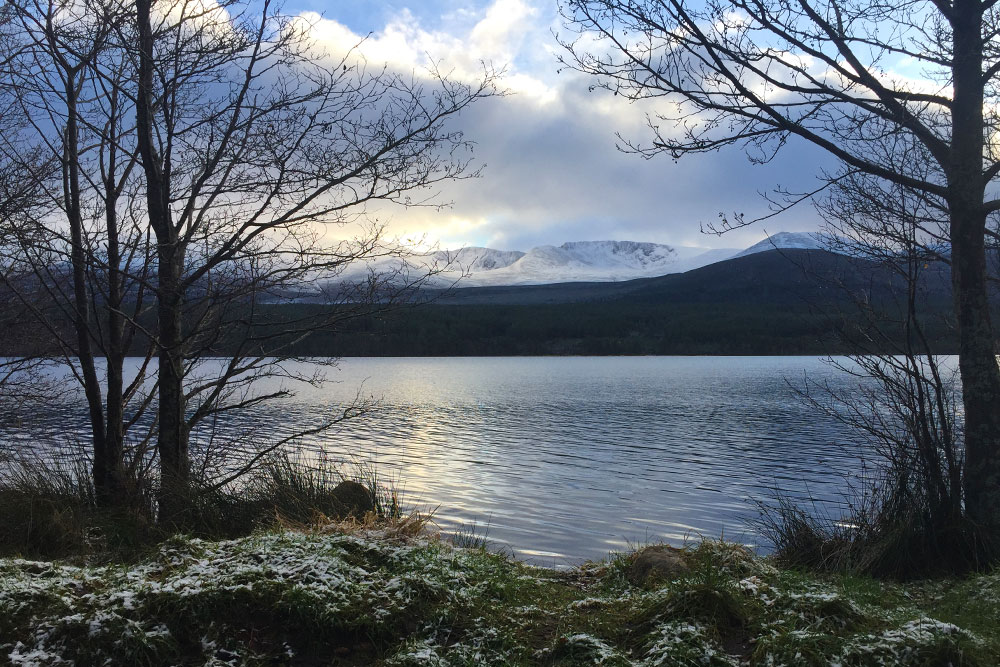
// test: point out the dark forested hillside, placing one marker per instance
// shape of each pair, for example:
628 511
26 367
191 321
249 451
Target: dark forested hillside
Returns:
793 277
775 302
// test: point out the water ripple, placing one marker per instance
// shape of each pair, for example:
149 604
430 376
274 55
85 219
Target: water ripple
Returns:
569 458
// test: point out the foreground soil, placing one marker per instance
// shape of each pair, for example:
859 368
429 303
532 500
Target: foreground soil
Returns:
372 597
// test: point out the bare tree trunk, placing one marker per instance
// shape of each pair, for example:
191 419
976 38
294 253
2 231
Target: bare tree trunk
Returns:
172 434
977 354
67 49
115 436
102 463
980 375
172 437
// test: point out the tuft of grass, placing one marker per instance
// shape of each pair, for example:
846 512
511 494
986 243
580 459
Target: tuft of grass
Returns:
49 509
922 642
686 645
582 649
471 536
881 534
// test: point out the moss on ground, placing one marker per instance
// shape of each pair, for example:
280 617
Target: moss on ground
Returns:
370 598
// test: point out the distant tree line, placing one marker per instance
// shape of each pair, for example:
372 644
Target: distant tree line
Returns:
614 328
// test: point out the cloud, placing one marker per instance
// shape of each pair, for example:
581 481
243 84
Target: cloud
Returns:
553 172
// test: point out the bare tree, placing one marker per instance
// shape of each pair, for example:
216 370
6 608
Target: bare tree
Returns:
86 251
908 515
191 161
759 73
253 144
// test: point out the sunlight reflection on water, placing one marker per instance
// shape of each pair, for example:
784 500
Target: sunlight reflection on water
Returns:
568 458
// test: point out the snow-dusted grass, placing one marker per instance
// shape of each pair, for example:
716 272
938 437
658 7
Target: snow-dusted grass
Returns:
382 597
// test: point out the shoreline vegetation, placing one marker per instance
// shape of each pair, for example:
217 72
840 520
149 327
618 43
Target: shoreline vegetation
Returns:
282 571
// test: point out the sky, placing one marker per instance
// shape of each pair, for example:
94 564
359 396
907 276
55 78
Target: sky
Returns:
552 171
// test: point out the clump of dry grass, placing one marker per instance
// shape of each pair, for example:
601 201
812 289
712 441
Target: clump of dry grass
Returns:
49 510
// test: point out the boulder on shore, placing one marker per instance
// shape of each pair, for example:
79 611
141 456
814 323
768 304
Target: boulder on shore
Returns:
356 499
660 562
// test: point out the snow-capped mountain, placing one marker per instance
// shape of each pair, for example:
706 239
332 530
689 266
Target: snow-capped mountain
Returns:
787 240
575 261
594 261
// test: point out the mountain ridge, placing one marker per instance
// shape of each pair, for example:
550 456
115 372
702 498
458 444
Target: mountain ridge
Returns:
572 261
786 241
601 261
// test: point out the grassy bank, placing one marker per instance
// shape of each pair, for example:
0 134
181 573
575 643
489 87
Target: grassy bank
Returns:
386 597
50 512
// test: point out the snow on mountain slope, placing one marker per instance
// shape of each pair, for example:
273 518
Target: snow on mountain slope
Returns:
629 254
471 259
790 240
705 258
582 261
597 261
575 261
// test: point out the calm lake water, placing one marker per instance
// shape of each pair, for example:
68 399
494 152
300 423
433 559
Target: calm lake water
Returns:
561 459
